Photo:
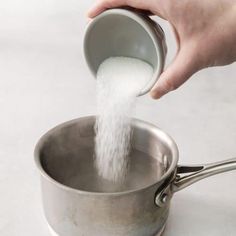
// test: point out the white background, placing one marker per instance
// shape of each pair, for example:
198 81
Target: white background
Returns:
44 81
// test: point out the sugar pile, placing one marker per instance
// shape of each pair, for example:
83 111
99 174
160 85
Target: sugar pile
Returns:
119 81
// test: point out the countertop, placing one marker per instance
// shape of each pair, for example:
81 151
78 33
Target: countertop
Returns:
44 81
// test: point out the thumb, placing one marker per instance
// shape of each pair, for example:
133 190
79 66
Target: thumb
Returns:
180 70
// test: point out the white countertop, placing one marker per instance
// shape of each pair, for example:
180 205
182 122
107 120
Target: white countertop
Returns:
44 81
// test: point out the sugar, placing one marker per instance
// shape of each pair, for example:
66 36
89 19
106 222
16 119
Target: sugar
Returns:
119 81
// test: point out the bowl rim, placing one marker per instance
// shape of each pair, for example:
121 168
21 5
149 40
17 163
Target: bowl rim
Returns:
135 121
147 26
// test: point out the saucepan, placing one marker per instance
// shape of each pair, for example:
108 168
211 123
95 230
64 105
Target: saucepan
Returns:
74 207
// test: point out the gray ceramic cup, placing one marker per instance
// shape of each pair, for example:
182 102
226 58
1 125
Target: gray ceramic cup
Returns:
120 32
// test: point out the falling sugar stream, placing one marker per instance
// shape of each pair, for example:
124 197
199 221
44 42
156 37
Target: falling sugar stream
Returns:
119 81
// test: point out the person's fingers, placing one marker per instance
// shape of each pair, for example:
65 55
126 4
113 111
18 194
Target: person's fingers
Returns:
103 5
107 4
181 69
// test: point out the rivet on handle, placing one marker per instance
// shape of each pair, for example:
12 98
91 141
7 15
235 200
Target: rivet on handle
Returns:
163 197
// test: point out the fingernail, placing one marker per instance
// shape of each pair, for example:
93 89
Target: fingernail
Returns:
154 94
90 14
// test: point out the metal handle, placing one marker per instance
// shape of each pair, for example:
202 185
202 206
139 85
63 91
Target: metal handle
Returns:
187 175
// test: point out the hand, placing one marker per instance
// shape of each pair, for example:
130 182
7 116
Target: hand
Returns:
205 32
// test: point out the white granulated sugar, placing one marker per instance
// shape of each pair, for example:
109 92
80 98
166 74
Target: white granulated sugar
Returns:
119 81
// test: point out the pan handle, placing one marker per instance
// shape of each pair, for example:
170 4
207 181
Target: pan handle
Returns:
187 175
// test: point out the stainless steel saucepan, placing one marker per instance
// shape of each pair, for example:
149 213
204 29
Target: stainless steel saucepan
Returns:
72 201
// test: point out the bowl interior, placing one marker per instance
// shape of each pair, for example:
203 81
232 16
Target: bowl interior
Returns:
66 154
119 33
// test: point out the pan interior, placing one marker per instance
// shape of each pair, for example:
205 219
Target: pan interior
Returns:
67 156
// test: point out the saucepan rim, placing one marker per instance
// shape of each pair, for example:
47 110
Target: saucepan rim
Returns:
154 128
